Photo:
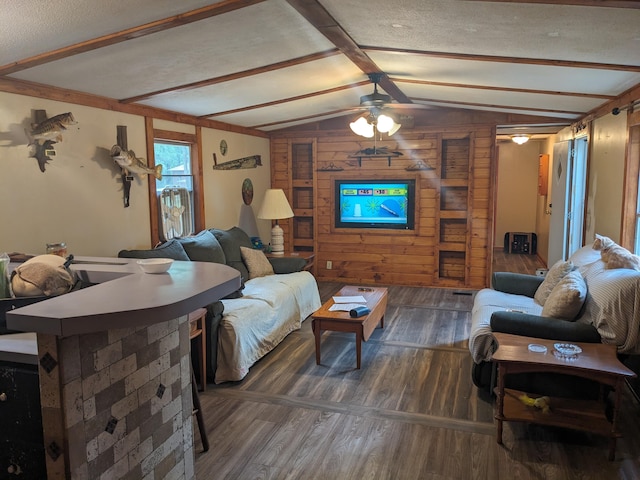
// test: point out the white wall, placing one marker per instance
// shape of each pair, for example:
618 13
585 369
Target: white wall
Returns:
79 198
517 189
606 176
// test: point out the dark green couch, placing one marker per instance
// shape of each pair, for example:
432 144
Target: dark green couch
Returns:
218 246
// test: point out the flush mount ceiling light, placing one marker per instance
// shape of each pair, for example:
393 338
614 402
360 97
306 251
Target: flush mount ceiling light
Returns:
520 139
374 120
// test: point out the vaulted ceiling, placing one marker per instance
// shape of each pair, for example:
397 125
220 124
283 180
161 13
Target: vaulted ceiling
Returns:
272 64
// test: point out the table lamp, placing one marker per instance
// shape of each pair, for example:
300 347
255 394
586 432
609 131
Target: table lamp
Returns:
275 207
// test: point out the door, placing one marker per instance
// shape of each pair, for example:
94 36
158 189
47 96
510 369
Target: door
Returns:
577 198
558 225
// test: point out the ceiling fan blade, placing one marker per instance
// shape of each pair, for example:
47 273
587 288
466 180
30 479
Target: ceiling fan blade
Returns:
407 106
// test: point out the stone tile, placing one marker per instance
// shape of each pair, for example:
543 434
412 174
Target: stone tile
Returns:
70 358
136 380
151 425
124 407
107 356
76 446
110 395
189 464
96 425
126 445
134 342
164 467
92 342
147 354
72 403
89 408
149 464
117 470
95 383
140 452
92 449
159 365
107 440
171 376
156 331
169 342
185 371
123 368
172 409
119 333
147 391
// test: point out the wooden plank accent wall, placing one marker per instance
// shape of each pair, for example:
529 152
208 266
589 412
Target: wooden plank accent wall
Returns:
451 243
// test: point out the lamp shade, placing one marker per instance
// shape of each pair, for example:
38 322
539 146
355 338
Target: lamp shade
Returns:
275 205
520 139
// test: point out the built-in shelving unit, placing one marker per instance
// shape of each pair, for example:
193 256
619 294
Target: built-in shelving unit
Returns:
301 155
453 210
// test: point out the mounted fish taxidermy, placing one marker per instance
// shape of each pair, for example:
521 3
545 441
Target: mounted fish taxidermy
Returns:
128 161
247 162
44 133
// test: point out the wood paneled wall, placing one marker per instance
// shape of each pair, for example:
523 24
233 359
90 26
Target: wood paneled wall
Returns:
451 243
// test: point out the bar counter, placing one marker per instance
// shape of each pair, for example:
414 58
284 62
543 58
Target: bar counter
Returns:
114 368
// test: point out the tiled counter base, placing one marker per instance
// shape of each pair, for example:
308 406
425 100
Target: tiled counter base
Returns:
119 399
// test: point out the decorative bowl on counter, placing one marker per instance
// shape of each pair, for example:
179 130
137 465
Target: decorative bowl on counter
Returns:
155 265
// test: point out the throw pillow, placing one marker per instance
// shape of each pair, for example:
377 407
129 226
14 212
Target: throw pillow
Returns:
567 297
203 247
171 249
615 256
231 240
553 277
257 263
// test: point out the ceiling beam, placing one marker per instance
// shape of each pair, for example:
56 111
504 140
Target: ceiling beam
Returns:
31 89
322 20
235 76
499 59
290 99
208 11
582 3
503 89
505 107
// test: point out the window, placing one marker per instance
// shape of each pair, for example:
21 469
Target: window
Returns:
176 202
175 190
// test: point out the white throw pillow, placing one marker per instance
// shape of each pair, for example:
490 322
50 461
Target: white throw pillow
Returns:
553 277
257 263
567 297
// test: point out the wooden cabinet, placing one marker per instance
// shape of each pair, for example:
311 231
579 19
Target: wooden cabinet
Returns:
22 443
301 157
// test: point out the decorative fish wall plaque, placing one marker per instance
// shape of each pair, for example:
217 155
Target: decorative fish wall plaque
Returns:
128 161
246 162
45 133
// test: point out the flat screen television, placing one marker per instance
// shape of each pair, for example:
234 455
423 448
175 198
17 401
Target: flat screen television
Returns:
375 204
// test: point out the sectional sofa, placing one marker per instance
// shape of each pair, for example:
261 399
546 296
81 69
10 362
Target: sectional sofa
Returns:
276 297
582 299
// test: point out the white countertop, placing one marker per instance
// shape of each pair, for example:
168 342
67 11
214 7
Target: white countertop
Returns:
125 296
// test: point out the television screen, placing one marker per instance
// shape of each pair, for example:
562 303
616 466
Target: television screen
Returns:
375 203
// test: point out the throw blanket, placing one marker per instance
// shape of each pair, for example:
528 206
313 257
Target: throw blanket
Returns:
271 307
613 305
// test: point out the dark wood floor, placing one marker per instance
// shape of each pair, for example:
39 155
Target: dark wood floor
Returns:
410 412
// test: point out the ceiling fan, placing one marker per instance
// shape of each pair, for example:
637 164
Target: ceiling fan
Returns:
379 115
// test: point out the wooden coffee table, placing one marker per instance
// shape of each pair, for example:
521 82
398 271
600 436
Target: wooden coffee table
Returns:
597 362
324 319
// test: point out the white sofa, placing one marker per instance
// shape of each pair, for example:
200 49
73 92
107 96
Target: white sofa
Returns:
270 308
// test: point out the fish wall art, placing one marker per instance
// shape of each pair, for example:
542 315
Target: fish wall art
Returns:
247 162
128 161
44 134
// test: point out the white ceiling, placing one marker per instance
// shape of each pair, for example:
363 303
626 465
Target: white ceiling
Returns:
237 62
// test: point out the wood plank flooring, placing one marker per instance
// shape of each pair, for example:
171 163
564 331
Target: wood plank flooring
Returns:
410 412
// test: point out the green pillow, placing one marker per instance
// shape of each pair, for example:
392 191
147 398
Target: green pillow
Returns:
171 249
231 240
203 247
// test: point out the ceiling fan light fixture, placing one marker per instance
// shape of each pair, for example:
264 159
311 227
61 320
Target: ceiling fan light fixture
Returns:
362 127
385 123
520 139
